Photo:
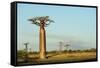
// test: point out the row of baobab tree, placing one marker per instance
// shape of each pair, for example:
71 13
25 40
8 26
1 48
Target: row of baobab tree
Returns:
61 45
42 22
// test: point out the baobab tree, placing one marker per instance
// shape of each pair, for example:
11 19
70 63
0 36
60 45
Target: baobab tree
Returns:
42 22
60 46
30 50
67 45
26 51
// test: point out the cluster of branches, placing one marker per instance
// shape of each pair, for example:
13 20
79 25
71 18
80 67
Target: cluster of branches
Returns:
37 20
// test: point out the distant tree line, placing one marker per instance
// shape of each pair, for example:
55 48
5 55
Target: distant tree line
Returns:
22 53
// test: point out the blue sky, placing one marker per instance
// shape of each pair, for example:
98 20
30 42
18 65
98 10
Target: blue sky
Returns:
73 25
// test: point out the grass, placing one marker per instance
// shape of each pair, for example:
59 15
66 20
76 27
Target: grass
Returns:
59 57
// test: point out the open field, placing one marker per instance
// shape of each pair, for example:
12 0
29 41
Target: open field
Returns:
59 57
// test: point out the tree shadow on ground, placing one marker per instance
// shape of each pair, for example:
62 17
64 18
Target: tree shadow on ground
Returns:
49 56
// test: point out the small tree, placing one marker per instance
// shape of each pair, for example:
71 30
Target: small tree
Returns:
66 46
26 51
60 46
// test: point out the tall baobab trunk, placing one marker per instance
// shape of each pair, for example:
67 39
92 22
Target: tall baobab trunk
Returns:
42 42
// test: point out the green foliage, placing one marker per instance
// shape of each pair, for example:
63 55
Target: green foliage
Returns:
21 53
35 52
87 50
52 51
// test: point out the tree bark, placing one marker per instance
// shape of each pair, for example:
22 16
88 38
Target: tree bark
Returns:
42 43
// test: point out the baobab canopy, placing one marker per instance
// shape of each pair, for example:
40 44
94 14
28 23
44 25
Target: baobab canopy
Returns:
45 19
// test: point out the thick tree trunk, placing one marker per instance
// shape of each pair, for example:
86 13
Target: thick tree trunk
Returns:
42 43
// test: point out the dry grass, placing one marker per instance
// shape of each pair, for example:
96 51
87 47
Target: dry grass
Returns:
63 57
